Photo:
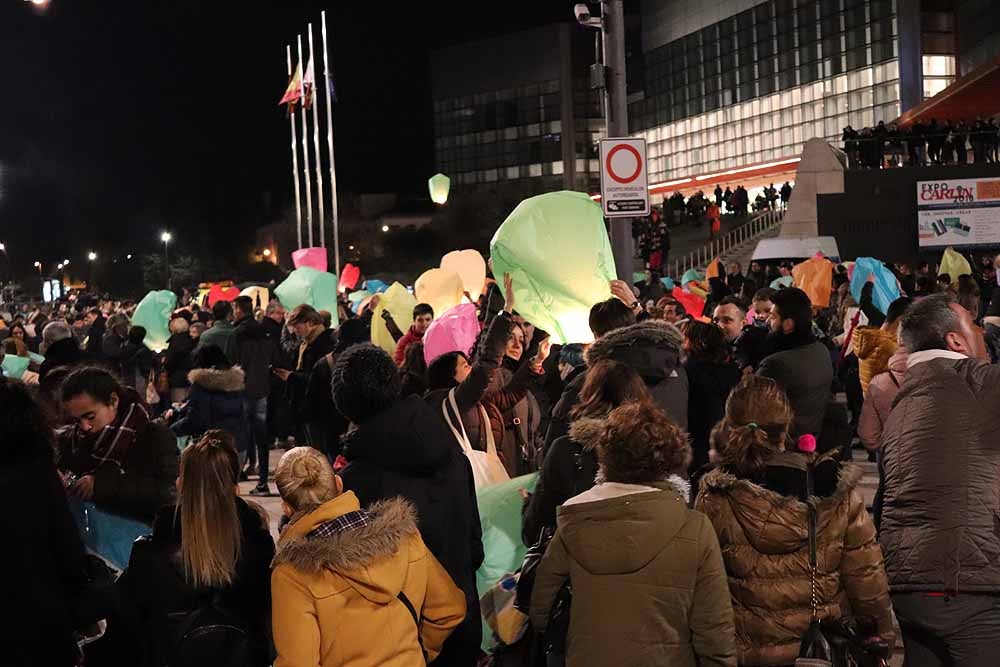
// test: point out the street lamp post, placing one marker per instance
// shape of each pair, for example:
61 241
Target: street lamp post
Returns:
165 237
92 257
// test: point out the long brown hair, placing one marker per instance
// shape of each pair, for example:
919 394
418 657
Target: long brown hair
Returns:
758 417
609 384
211 535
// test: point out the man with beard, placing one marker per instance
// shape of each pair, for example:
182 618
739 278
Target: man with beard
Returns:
799 363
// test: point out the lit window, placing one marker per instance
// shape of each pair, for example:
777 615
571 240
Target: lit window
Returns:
934 86
939 66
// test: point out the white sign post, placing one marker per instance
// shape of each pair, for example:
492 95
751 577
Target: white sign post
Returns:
624 181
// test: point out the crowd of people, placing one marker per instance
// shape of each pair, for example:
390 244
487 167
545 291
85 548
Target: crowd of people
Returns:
922 144
695 500
652 234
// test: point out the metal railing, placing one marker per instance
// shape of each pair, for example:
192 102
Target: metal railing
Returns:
700 257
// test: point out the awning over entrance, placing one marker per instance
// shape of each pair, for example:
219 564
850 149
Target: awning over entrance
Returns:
975 94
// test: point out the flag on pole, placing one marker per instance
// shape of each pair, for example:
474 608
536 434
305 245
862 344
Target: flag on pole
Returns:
294 90
309 85
333 96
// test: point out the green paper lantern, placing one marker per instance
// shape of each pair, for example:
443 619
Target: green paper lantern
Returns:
556 249
439 186
153 313
307 285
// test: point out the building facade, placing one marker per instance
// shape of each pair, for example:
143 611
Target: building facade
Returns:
517 111
729 83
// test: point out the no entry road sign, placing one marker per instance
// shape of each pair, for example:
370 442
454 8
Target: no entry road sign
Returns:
624 182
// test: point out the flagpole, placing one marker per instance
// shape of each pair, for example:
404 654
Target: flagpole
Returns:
327 76
305 147
319 160
295 156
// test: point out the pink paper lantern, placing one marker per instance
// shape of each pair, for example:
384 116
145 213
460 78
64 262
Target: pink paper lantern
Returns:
349 276
455 331
312 257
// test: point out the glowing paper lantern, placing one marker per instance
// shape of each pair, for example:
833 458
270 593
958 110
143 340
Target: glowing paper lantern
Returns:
667 282
217 293
638 277
439 185
14 366
886 288
375 286
471 268
954 264
399 302
440 288
782 282
556 249
349 276
712 271
693 304
307 285
357 297
815 277
153 313
261 296
312 257
691 276
454 331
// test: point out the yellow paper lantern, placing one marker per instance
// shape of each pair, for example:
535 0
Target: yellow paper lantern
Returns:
439 185
261 295
440 288
399 303
470 267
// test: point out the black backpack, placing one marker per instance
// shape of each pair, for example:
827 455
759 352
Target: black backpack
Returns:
210 636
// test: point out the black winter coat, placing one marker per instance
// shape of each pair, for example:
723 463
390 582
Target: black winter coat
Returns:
177 359
65 352
154 586
216 401
569 469
46 563
408 451
709 385
256 352
802 367
298 381
95 337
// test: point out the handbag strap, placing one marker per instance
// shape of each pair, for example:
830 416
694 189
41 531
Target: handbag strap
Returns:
810 504
401 596
462 437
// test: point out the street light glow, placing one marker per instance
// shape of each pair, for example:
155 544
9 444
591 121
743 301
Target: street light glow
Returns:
267 252
38 265
3 248
65 261
385 228
92 255
165 237
128 256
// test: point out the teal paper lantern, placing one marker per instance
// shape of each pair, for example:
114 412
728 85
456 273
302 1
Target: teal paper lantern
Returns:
439 186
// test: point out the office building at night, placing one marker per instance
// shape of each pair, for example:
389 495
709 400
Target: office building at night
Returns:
731 83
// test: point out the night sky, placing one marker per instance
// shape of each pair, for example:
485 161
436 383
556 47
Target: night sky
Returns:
122 118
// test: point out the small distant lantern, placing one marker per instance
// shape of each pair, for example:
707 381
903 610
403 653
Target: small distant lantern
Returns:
439 185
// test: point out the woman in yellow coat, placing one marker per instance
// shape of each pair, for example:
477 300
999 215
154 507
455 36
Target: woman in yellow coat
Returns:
354 587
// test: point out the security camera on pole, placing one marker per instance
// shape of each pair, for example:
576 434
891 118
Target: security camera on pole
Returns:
611 76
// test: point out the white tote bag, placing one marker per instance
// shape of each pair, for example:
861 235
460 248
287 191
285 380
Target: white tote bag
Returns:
487 468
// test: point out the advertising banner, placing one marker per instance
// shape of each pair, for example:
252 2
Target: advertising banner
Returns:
958 212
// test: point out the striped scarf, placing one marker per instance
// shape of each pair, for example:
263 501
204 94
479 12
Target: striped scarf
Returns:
114 442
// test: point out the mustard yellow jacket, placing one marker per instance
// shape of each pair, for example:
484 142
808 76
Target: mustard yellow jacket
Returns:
335 596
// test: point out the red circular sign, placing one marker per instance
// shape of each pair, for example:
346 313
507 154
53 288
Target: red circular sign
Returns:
638 163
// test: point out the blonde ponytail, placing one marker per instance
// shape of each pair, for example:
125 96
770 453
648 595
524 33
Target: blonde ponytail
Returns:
211 535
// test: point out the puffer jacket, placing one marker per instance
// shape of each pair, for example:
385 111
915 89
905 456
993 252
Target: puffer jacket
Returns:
941 513
216 401
646 573
336 589
763 529
653 349
882 391
873 348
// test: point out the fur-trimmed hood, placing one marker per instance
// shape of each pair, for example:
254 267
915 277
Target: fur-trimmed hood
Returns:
373 558
649 333
772 516
232 379
585 432
652 348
